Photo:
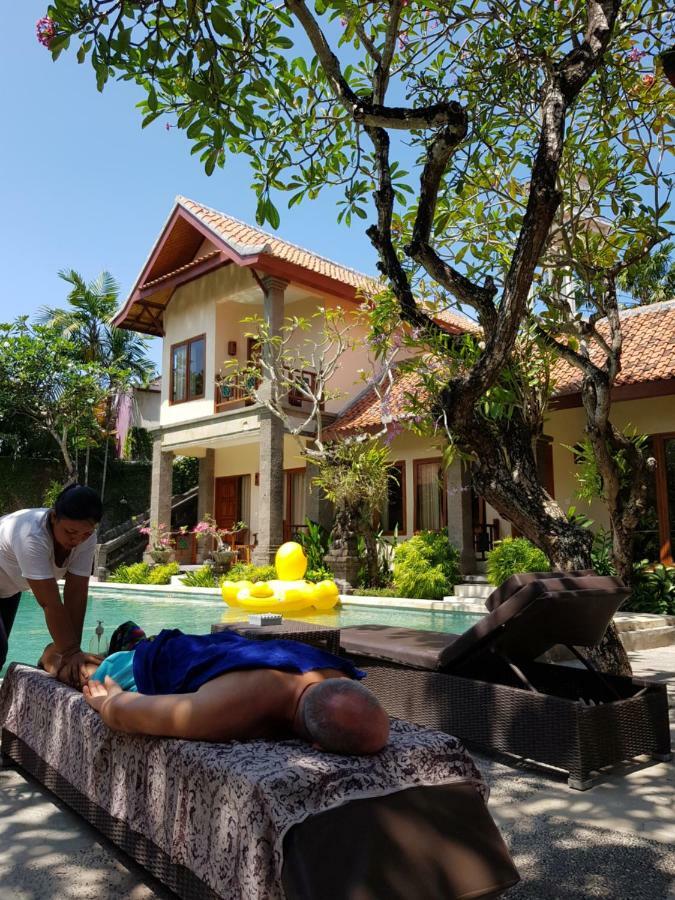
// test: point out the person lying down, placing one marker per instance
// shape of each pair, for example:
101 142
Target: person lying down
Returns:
223 686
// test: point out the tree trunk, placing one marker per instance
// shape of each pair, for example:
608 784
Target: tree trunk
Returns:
505 474
86 465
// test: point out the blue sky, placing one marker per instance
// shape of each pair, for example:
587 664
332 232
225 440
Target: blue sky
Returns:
86 188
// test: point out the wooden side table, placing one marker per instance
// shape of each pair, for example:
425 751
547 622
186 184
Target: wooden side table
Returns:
323 636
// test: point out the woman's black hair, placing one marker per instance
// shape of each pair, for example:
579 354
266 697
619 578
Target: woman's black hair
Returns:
80 503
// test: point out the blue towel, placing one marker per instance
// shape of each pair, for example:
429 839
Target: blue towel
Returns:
177 663
120 666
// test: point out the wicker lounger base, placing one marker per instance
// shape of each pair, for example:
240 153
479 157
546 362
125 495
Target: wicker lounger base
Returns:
554 727
435 843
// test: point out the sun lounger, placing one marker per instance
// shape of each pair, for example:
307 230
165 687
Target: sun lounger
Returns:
486 686
264 820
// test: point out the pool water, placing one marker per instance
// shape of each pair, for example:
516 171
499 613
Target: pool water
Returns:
152 612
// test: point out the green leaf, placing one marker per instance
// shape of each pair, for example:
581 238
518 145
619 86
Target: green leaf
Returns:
224 26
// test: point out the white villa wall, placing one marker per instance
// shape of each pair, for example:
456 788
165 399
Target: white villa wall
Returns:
653 415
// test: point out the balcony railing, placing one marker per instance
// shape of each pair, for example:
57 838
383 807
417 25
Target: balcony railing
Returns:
230 393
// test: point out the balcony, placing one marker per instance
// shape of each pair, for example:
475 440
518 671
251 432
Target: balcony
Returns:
232 393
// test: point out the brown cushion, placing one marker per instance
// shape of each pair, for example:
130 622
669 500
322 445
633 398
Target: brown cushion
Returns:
409 646
513 584
428 843
541 615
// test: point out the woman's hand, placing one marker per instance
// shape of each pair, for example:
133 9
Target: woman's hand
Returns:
76 667
96 693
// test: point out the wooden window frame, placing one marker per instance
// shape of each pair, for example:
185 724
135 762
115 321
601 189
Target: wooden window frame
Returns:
288 481
186 343
403 528
663 513
444 492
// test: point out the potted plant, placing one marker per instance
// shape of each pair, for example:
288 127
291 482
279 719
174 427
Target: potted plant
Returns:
160 543
223 553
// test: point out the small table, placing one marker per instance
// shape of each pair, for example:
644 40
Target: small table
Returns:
322 636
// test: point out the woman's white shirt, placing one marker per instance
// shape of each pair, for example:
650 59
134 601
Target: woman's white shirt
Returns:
27 552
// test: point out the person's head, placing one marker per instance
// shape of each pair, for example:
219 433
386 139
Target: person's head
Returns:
75 515
342 716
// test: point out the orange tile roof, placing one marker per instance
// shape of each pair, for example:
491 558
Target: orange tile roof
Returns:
648 352
365 411
246 239
648 355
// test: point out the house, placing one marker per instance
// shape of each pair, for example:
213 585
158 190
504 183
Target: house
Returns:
139 408
643 399
207 272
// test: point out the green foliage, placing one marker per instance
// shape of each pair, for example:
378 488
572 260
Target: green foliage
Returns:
43 380
185 473
142 573
426 566
354 475
386 591
138 444
52 492
249 572
513 555
314 541
203 578
319 574
653 589
589 479
602 561
163 574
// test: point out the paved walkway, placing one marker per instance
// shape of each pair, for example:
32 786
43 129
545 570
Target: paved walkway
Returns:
616 841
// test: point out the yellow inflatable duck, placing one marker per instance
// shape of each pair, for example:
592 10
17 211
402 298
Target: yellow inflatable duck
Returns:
287 593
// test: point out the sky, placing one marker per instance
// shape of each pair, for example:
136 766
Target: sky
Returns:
84 187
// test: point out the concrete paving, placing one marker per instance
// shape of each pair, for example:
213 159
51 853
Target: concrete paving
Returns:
615 842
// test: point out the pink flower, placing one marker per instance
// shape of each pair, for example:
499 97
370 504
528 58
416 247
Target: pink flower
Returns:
45 30
636 55
648 80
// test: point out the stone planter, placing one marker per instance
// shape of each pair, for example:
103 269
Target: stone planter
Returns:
161 557
221 560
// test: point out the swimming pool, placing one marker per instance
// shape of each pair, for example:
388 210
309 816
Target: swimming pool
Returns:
153 611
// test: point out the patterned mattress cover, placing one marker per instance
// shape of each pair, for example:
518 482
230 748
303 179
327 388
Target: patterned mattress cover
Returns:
221 810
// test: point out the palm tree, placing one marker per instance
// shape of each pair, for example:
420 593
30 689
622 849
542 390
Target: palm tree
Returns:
121 354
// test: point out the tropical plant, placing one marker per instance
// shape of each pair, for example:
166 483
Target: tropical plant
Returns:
314 540
249 572
121 355
426 566
159 536
142 573
204 577
43 380
512 555
354 475
208 528
653 589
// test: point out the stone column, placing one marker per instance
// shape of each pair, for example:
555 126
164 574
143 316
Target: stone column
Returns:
460 525
161 487
271 466
207 484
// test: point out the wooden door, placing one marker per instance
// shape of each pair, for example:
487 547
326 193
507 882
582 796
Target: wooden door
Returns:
227 501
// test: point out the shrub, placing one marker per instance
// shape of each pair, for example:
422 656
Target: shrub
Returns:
514 555
387 591
137 573
316 575
204 577
142 573
249 572
426 566
163 574
653 589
